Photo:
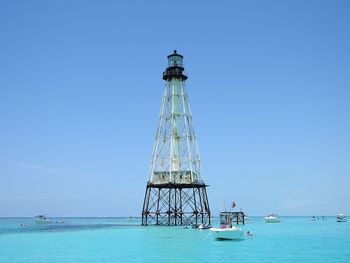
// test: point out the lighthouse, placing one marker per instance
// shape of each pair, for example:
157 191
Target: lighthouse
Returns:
175 191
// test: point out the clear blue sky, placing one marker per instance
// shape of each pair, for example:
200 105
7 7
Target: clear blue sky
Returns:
80 93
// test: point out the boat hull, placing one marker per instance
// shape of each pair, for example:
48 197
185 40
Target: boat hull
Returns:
204 227
228 233
341 220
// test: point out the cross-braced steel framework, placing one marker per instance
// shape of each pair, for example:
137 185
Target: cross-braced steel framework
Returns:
175 192
176 205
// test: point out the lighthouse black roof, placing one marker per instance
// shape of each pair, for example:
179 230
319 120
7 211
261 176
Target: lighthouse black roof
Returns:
175 54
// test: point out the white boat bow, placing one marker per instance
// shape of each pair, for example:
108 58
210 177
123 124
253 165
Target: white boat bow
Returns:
233 233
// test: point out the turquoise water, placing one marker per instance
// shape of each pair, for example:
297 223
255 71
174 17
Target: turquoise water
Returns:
295 239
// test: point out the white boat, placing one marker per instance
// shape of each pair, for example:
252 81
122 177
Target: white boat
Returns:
233 233
204 226
41 219
226 229
272 218
341 218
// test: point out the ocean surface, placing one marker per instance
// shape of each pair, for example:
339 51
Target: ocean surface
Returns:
295 239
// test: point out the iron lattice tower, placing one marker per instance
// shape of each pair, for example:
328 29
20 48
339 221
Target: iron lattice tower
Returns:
175 192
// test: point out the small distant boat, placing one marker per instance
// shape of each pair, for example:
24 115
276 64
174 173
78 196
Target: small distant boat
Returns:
227 230
131 218
313 218
272 218
42 219
341 218
201 226
204 226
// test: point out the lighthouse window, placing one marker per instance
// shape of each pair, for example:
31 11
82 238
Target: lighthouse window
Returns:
175 61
